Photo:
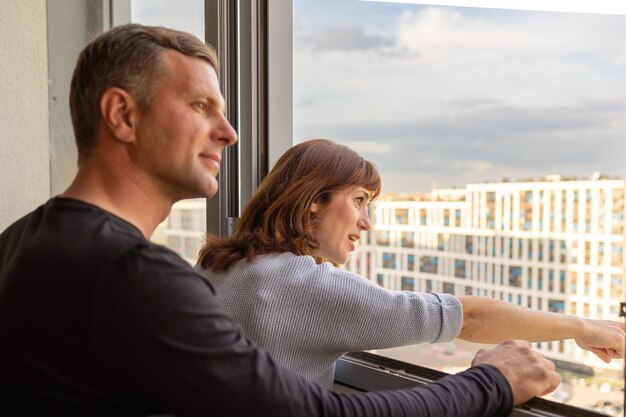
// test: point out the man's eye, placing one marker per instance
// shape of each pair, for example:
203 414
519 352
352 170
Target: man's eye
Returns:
200 105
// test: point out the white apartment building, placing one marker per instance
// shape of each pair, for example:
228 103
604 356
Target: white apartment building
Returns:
183 231
554 245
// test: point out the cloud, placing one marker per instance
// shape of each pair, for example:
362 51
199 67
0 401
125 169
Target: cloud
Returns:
186 15
439 30
344 36
488 143
458 96
470 165
469 103
372 147
617 58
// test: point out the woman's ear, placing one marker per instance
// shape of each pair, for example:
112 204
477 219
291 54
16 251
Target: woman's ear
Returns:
314 207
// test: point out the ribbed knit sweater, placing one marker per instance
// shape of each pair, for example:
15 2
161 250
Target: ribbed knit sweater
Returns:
307 315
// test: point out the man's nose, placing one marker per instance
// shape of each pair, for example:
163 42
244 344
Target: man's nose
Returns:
226 133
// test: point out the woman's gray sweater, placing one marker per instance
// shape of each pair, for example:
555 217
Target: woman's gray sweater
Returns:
308 315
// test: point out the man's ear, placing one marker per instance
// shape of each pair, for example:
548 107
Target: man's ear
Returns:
119 111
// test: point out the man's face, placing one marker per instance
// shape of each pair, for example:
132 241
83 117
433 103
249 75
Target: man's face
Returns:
181 137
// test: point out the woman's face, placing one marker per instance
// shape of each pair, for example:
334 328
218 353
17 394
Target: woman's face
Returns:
342 221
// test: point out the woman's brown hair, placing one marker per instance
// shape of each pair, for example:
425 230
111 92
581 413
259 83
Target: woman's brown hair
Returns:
278 217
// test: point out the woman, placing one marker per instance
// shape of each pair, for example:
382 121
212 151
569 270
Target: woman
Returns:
277 276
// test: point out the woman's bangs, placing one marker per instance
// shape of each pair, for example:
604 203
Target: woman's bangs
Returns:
369 178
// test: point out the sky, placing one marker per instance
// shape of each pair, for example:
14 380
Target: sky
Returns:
187 15
445 96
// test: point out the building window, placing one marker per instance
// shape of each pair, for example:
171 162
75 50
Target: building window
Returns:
408 284
441 242
402 216
389 260
410 260
617 258
382 237
448 288
617 287
459 268
380 280
408 239
515 276
556 306
429 264
469 244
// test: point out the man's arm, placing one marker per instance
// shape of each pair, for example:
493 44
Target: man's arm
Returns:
163 339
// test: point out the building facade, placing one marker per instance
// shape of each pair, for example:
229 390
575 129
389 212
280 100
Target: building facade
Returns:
184 229
555 245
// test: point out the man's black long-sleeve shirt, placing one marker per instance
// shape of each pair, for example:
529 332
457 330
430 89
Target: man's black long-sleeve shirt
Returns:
97 321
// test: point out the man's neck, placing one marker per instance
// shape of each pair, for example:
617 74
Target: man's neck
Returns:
122 194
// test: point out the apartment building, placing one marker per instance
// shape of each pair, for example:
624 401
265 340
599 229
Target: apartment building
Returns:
555 244
183 231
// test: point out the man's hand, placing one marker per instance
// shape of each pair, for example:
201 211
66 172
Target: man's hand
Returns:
528 372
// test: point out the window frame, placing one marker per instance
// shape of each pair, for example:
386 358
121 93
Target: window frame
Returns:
365 371
256 81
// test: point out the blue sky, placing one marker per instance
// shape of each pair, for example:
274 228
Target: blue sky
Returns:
445 96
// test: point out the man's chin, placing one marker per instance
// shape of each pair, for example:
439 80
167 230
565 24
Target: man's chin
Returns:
201 193
209 190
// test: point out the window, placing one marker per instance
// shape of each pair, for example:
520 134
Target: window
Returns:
382 237
380 279
556 306
487 105
333 72
410 262
187 219
389 260
402 216
459 268
515 276
429 264
448 287
408 239
408 284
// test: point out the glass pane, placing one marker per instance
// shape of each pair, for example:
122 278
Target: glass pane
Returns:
184 229
499 135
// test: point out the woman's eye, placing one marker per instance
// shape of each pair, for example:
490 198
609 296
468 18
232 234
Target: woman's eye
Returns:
360 200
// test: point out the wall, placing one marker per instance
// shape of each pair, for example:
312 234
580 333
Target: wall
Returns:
24 138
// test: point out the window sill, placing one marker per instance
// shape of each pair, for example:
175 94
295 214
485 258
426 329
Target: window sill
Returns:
363 371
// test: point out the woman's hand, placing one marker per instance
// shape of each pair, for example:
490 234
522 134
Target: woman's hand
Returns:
486 320
603 337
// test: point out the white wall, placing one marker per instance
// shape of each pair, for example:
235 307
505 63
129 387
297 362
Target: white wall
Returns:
24 138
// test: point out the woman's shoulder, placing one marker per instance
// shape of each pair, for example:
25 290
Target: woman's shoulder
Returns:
278 262
279 265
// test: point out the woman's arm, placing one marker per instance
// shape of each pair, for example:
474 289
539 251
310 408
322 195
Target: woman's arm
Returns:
486 320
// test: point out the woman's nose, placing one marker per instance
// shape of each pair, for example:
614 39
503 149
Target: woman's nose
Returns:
364 221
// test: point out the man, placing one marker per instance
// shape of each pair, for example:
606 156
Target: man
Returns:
97 321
